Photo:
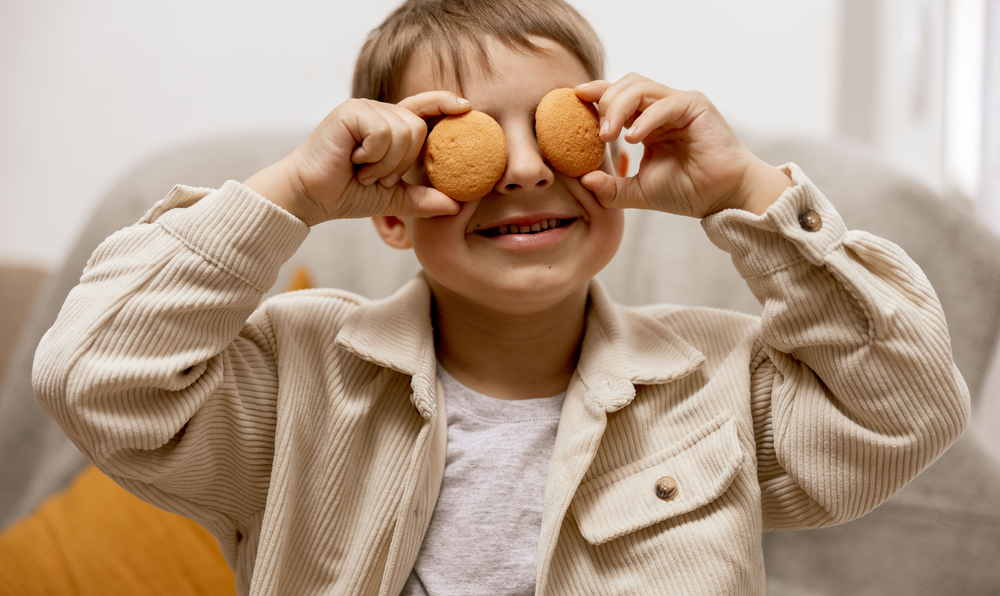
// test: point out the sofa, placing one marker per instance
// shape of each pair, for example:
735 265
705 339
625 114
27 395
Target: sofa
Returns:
939 535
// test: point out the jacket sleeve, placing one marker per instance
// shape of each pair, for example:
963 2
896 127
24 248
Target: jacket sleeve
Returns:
853 387
152 367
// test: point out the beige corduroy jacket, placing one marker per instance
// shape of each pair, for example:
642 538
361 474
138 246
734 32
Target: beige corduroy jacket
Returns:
309 434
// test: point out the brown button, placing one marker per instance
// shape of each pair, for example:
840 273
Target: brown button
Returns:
810 221
666 488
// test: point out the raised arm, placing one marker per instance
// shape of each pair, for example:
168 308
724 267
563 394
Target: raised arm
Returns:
152 367
156 367
854 387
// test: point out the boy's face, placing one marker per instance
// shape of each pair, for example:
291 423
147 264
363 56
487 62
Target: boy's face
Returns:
463 255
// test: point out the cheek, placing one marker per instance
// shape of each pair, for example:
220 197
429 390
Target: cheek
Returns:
431 246
422 233
610 232
617 217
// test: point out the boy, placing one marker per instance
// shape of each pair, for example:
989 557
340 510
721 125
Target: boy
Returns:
499 425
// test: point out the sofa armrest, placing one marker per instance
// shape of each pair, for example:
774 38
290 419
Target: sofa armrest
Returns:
19 286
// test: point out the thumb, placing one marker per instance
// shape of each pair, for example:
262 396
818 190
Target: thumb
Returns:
413 200
614 193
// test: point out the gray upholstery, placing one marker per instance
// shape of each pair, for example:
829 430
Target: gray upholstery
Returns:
939 535
36 458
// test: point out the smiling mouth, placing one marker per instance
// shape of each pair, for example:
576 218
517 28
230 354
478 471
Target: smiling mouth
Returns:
535 228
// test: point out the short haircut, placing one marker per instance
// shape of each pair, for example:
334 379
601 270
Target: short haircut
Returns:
452 30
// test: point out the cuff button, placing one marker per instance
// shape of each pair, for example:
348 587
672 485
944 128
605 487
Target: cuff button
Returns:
810 221
666 488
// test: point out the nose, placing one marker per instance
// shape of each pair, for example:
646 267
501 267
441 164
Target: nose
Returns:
526 168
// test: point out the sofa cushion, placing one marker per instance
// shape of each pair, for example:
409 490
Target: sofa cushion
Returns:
18 286
939 535
97 539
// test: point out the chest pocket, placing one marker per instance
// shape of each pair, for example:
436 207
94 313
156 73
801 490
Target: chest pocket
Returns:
701 467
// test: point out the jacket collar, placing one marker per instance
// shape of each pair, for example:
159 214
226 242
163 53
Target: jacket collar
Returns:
624 347
621 348
396 333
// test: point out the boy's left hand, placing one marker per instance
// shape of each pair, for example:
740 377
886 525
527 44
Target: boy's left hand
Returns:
692 165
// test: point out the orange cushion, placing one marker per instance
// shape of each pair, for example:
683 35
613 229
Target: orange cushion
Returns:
301 280
96 538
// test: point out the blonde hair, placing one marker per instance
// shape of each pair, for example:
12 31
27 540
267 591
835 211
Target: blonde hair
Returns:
451 30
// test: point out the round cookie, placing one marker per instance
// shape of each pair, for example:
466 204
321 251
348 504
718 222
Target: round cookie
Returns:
465 155
566 128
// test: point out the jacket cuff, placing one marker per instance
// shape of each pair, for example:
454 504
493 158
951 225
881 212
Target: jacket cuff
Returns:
233 228
801 224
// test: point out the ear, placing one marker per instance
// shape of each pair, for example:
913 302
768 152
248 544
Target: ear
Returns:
393 231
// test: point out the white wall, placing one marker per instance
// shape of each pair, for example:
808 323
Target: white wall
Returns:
909 108
89 89
963 101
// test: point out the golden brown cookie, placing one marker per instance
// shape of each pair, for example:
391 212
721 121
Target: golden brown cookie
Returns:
566 128
465 155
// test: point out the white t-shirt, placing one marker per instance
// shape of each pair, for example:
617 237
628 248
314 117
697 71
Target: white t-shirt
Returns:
483 535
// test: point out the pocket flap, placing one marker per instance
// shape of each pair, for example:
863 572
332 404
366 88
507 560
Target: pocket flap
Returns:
624 500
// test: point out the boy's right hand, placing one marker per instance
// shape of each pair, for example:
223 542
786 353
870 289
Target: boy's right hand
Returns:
352 165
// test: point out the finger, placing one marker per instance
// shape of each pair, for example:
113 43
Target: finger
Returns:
615 89
672 112
414 200
592 91
431 104
622 104
630 102
408 152
615 193
372 131
418 134
398 147
412 155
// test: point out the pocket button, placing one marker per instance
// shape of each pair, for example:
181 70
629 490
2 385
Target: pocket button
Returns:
666 488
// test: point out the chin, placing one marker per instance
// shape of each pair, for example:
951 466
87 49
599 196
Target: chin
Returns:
523 293
532 294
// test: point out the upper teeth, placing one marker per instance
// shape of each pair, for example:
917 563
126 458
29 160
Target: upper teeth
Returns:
545 224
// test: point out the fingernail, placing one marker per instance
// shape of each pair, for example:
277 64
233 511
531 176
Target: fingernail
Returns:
605 127
583 86
390 180
461 101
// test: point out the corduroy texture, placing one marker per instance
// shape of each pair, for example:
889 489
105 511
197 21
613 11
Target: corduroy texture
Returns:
307 438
